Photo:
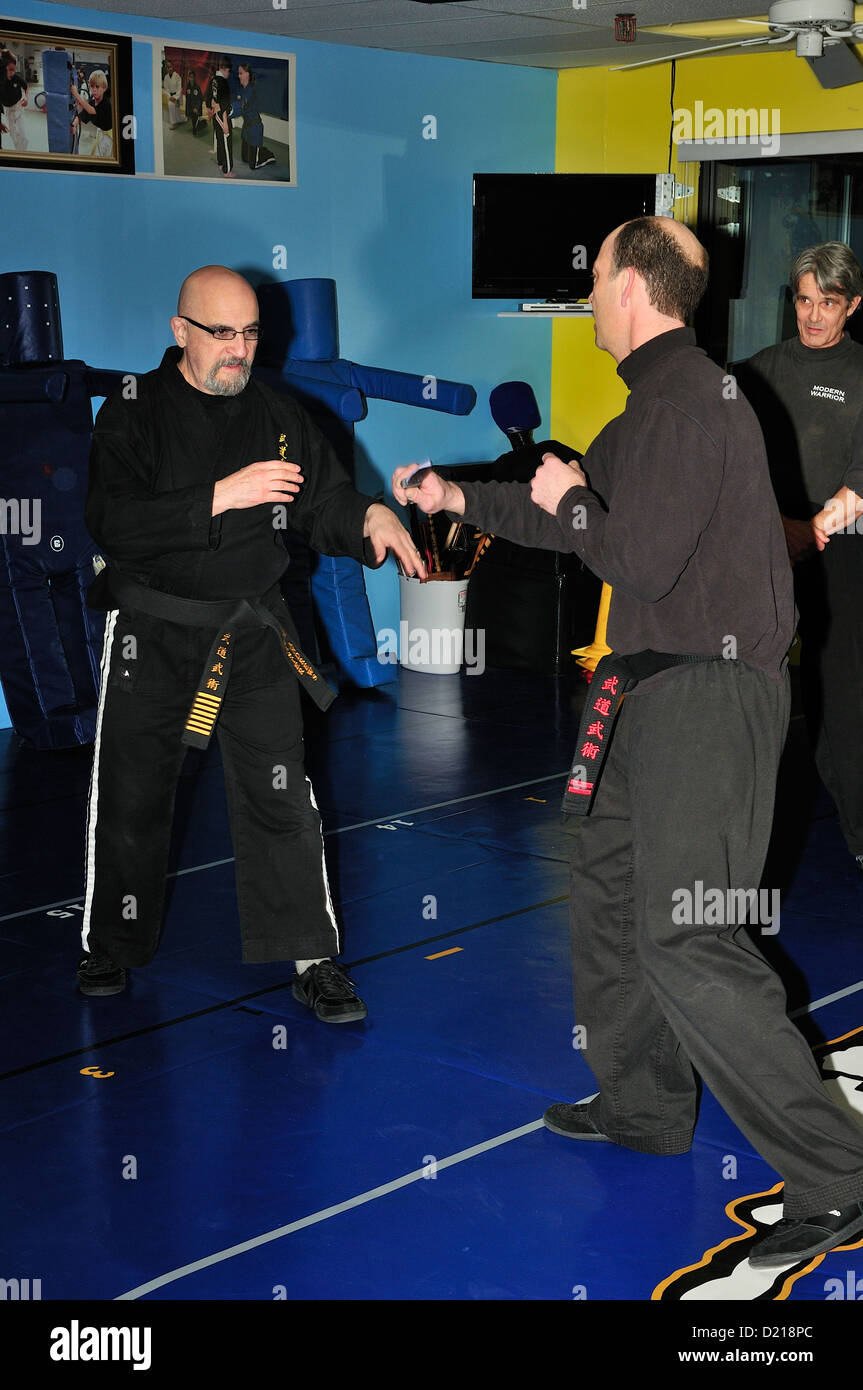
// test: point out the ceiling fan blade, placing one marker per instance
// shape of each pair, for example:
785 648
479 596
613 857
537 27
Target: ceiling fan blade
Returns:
838 66
691 53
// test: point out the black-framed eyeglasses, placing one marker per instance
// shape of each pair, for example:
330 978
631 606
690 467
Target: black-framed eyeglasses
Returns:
226 335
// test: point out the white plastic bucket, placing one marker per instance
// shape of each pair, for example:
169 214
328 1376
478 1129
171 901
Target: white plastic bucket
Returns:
431 631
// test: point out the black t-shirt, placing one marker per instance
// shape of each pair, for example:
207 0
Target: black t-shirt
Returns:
809 402
103 117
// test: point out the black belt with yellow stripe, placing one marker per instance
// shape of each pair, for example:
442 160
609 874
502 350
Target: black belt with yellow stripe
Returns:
222 618
613 677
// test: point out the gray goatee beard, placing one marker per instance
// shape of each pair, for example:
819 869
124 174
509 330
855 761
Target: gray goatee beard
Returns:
230 386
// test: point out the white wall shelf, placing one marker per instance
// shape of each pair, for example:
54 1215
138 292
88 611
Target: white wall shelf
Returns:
546 314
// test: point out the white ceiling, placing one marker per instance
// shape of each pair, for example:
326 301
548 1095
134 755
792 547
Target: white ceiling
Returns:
532 33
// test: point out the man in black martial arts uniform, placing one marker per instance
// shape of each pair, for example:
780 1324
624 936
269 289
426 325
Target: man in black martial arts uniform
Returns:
190 485
672 505
220 110
808 395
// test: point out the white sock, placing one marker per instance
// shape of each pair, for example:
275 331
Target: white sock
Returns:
303 965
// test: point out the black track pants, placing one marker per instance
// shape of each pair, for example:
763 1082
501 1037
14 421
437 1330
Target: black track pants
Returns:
224 147
829 594
283 897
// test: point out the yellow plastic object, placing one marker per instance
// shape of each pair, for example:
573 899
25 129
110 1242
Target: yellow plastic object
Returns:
589 657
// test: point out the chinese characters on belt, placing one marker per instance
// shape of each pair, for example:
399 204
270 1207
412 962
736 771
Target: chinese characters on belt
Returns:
205 706
578 784
218 669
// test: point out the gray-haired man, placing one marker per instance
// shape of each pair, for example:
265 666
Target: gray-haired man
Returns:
808 395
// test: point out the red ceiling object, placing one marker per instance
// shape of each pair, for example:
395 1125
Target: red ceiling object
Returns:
624 28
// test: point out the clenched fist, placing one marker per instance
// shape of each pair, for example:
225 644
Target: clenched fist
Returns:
552 481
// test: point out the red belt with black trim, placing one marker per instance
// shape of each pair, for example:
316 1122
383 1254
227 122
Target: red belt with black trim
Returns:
223 617
613 677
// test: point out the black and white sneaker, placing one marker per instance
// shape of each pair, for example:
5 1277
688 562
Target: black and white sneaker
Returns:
794 1239
328 991
97 974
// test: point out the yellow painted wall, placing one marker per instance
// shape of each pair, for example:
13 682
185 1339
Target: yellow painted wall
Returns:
620 122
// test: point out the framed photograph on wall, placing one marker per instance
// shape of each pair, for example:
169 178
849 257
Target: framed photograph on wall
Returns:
224 114
65 99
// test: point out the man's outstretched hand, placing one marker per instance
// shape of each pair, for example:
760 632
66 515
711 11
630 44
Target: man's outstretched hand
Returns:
386 532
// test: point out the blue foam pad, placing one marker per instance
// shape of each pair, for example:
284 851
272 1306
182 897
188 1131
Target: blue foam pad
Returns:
50 642
300 320
59 107
339 591
29 318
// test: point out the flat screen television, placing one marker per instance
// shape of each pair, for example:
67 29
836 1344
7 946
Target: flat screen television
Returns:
536 236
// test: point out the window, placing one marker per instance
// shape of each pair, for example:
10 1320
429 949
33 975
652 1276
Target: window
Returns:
755 217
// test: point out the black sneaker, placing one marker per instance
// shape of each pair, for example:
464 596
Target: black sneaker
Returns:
794 1239
97 974
574 1121
327 989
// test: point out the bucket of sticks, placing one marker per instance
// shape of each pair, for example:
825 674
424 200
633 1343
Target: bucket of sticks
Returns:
431 631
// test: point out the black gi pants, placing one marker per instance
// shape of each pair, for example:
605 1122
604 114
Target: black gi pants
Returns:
283 897
224 146
687 794
829 593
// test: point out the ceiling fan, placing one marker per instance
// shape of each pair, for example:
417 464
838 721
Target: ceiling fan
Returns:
817 26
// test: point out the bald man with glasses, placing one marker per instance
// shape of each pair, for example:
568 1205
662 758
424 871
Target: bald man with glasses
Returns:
192 482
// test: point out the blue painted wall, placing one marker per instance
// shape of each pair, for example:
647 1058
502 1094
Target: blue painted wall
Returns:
380 209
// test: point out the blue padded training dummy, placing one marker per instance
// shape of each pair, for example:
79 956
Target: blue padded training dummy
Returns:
50 642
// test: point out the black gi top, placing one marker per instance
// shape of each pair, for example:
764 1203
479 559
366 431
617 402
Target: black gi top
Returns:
101 116
12 89
154 462
249 106
220 95
679 518
810 405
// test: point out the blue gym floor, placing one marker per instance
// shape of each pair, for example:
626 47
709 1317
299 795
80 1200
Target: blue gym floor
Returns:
203 1137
